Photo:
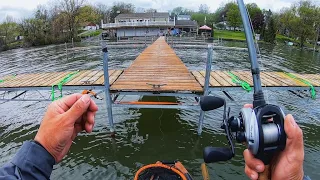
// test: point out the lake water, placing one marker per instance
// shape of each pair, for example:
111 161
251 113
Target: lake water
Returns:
147 135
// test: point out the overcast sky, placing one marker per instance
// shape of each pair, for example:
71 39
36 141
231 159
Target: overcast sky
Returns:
25 8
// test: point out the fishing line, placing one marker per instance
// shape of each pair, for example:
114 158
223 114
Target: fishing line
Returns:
160 121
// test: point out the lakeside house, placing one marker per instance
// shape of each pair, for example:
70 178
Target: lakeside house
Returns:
147 24
90 26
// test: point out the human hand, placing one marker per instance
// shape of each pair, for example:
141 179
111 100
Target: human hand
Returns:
288 164
64 119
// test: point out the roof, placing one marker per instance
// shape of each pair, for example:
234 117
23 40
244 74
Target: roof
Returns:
184 16
144 15
186 23
88 24
91 24
205 27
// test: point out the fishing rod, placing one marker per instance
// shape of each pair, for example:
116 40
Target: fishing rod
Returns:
261 127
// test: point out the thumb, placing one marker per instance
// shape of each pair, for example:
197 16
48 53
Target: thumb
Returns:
294 133
78 108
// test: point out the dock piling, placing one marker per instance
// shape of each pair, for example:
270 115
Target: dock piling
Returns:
66 50
107 89
206 84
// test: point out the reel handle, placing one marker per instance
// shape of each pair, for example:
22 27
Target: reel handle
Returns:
216 154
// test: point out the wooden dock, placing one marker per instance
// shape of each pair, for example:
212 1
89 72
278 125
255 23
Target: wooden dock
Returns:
156 69
222 79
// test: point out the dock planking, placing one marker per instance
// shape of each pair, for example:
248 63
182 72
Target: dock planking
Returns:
221 79
157 65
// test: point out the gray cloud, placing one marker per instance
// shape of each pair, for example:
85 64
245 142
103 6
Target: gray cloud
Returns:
16 13
23 9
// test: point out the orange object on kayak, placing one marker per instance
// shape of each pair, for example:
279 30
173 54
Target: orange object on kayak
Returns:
159 170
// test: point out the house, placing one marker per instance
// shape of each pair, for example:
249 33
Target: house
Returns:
90 26
187 26
140 24
149 24
142 17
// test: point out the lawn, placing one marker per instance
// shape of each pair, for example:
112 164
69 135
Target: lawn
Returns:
90 33
232 35
282 38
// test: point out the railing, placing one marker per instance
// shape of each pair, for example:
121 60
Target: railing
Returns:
135 24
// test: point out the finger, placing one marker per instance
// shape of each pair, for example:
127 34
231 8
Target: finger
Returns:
67 101
251 173
252 162
248 106
89 122
93 106
89 127
291 128
90 117
78 108
294 134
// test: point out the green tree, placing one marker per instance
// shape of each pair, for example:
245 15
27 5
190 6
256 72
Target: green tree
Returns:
304 21
233 16
256 16
271 30
88 13
8 30
177 10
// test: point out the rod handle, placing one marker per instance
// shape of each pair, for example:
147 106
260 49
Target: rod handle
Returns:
265 175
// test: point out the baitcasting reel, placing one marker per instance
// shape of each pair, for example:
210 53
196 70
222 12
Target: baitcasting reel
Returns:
260 128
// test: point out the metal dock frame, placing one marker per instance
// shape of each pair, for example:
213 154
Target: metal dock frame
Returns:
206 91
111 102
107 89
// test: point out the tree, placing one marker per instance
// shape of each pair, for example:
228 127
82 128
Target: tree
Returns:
33 32
270 30
103 12
181 11
204 9
177 10
199 18
303 16
233 16
70 10
151 10
7 30
120 8
256 16
88 13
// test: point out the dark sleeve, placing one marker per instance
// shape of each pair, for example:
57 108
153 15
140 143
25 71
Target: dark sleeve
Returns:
31 162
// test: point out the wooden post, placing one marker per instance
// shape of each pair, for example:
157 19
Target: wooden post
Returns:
316 41
145 39
66 50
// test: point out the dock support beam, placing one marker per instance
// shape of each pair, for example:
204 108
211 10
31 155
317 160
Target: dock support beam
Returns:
206 84
107 89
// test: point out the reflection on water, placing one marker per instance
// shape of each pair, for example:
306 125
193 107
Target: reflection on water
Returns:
147 135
